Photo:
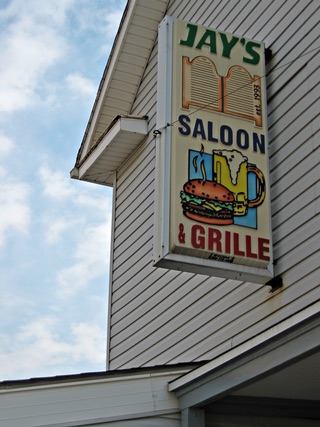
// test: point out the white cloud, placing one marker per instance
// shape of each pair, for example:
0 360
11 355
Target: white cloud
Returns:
31 45
110 25
6 145
81 85
89 260
38 38
56 184
15 212
90 237
37 349
113 20
89 341
67 252
91 19
56 228
105 25
49 12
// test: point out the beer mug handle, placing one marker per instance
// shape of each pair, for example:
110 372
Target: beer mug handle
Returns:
261 187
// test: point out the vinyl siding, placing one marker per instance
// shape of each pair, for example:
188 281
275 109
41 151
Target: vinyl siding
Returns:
163 317
134 399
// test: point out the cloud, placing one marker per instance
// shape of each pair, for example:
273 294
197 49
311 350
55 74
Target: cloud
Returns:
15 212
6 145
91 19
113 19
38 349
90 238
89 261
31 45
49 12
57 227
56 230
81 85
56 184
42 35
103 25
89 342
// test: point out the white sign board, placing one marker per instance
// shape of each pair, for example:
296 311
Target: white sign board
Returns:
212 192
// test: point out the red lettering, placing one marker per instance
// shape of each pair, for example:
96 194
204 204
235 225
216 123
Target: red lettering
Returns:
263 249
197 236
228 242
249 252
214 239
237 250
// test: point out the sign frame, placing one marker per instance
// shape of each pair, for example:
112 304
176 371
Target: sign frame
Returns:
163 255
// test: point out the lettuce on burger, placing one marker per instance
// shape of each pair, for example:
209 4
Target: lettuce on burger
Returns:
207 202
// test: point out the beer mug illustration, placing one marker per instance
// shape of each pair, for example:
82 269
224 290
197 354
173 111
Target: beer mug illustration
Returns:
231 169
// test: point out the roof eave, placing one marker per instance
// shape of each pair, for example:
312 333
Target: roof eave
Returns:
120 140
132 10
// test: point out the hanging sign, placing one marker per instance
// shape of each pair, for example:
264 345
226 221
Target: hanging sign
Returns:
212 193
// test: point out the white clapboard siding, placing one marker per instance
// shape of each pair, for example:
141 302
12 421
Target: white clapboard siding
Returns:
163 304
130 399
165 317
142 180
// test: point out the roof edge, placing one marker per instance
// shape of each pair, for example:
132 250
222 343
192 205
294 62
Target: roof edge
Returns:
95 376
104 76
121 38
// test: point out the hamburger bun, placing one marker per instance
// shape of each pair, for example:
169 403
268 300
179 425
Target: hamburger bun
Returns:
207 202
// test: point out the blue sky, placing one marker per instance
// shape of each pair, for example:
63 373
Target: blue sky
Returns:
54 231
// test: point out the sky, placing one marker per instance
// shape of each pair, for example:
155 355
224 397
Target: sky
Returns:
54 231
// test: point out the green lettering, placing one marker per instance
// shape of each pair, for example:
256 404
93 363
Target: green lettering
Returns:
191 35
227 45
211 37
255 56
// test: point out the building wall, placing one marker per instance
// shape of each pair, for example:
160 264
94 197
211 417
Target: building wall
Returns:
160 316
114 399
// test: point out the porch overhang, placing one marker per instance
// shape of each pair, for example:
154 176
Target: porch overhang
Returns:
281 370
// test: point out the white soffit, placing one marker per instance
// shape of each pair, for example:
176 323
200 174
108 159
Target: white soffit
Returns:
123 73
115 145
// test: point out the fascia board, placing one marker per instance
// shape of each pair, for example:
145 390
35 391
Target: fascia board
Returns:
114 58
108 74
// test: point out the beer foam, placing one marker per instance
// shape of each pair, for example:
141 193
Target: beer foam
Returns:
234 160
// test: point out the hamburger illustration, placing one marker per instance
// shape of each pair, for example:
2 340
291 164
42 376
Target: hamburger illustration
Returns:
207 202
